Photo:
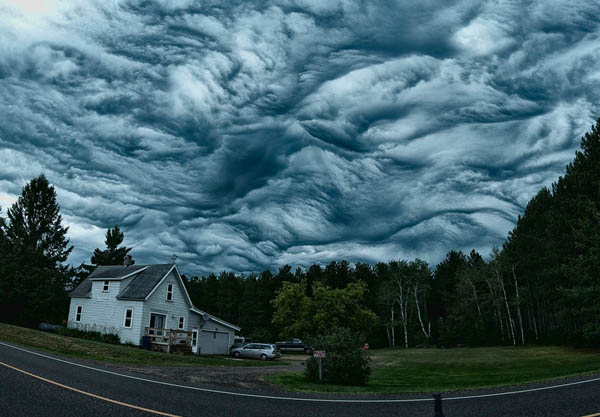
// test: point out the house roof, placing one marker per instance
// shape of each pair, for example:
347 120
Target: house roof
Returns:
112 272
145 278
215 319
143 283
82 290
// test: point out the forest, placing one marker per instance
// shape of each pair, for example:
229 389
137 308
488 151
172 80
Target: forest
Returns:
541 286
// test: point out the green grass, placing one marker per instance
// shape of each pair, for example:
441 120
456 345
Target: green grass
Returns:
431 370
87 349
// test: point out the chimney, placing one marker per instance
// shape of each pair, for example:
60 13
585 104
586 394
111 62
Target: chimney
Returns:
128 260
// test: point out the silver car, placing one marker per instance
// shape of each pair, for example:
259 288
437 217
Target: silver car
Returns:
260 351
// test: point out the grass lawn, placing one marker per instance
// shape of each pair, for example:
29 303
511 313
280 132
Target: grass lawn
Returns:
86 349
431 370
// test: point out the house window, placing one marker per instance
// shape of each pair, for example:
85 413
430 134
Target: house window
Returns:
194 338
78 313
170 292
105 287
128 317
181 322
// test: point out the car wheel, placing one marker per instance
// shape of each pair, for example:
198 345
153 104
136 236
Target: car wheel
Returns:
236 354
263 357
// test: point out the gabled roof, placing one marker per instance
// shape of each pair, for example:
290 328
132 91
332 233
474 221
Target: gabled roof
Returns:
115 272
145 278
143 283
215 319
82 290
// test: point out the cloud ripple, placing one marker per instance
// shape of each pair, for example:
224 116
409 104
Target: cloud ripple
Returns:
249 135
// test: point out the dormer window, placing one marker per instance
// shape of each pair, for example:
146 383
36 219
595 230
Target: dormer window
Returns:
170 292
105 286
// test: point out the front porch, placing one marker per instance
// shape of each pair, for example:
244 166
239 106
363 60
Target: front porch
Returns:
168 340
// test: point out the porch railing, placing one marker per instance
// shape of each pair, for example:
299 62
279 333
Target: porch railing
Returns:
169 340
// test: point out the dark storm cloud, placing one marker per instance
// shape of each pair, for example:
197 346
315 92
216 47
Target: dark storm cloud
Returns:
243 136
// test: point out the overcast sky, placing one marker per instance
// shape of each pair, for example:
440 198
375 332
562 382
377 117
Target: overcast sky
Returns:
244 136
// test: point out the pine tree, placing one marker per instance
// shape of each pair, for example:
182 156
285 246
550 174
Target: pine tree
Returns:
113 254
35 280
35 224
5 265
554 252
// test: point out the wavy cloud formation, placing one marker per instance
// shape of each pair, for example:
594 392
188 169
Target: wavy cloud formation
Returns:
250 135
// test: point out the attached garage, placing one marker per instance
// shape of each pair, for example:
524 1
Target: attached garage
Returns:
213 342
214 336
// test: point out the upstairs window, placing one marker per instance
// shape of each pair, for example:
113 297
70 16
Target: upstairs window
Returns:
105 286
181 322
170 292
78 313
128 317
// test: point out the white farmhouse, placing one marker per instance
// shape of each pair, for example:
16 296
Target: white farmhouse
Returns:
126 299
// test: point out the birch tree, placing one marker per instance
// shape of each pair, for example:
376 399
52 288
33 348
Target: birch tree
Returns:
518 305
402 285
510 320
387 298
421 286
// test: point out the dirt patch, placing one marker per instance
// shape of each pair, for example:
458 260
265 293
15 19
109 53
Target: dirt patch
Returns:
250 377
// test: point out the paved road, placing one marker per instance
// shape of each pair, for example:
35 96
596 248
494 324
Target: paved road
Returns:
25 395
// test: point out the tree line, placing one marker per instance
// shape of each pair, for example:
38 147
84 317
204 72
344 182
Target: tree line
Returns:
541 286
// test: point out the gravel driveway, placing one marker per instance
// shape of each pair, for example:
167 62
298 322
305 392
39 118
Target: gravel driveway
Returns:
247 377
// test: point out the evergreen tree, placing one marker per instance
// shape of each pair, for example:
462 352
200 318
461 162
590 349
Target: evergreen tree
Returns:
113 254
443 289
552 253
35 280
5 269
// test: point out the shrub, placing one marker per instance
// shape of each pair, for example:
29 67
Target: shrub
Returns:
91 335
345 363
111 338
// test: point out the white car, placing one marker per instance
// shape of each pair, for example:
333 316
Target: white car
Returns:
260 351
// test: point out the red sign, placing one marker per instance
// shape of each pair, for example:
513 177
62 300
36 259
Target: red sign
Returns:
319 353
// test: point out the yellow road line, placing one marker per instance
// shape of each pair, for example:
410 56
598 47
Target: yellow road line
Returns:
592 415
160 413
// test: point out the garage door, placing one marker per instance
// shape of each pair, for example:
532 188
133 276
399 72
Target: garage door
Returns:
214 343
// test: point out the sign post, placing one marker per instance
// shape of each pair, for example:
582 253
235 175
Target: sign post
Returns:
319 354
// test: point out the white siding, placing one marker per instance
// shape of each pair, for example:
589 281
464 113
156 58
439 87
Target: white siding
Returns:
195 321
107 315
114 287
135 333
157 303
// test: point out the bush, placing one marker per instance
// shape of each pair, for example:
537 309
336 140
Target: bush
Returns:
111 338
345 363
